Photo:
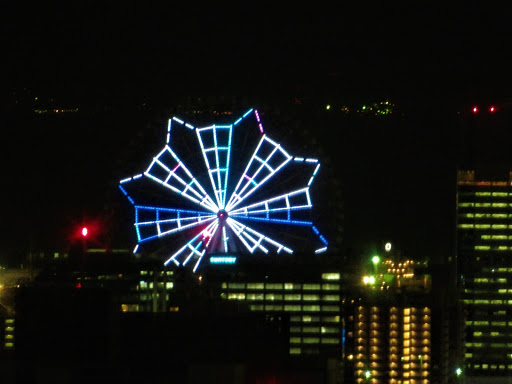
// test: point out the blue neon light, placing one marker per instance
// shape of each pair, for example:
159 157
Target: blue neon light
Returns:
266 161
222 259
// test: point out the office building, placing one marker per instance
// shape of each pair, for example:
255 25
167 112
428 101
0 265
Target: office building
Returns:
484 252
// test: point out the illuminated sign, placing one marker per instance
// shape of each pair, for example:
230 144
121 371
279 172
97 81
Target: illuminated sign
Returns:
223 260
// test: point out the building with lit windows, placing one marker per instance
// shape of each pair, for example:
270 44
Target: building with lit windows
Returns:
484 252
392 344
313 307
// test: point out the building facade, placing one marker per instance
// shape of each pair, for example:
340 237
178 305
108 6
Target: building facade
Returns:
484 259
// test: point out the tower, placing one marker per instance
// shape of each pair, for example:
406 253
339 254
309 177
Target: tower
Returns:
484 260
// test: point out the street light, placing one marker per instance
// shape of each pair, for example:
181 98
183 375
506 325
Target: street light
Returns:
375 261
367 374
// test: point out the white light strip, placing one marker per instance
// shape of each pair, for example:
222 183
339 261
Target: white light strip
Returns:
248 209
240 230
201 197
238 196
175 255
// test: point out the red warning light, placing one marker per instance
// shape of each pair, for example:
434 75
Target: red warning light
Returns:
84 232
475 109
492 109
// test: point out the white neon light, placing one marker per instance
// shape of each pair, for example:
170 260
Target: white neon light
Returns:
190 246
176 183
266 161
225 239
250 184
136 249
244 233
262 206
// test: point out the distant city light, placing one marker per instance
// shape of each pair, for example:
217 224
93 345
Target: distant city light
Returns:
375 259
492 109
387 247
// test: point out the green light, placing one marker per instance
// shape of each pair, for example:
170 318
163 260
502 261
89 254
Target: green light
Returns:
375 259
458 371
367 374
327 107
223 260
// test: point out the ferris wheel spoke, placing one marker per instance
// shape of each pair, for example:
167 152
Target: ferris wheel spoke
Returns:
154 222
216 154
280 209
196 246
260 169
168 170
253 239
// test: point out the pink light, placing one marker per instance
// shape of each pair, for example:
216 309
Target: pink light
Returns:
247 177
175 168
492 108
257 115
475 109
261 128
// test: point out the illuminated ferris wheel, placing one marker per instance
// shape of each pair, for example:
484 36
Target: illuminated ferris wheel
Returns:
224 189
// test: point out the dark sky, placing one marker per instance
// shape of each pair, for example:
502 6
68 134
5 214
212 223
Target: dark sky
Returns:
84 49
432 59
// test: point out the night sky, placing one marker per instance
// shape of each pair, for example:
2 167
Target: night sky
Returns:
397 177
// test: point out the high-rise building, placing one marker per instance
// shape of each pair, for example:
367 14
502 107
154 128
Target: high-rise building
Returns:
484 259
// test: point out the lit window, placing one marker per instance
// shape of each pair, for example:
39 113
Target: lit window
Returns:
330 276
273 296
273 307
330 287
236 286
255 285
274 286
255 296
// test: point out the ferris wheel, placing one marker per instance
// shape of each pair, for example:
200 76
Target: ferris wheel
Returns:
224 189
